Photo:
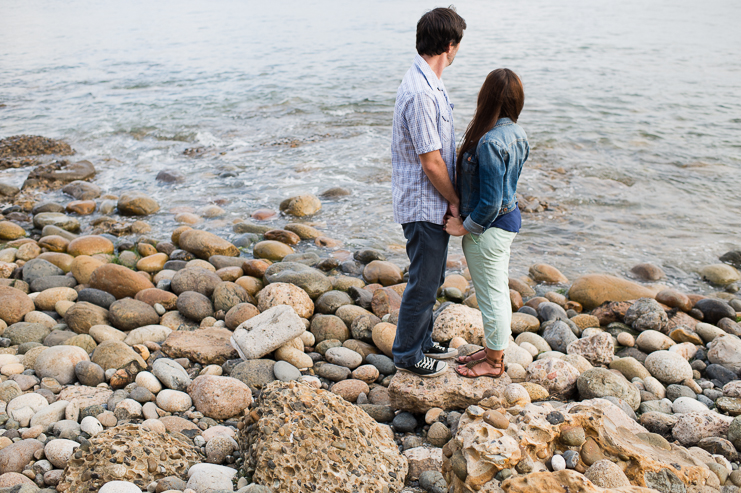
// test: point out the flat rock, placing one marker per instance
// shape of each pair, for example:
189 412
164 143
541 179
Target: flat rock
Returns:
592 290
206 346
267 332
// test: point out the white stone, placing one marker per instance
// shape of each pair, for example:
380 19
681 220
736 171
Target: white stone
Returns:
209 482
264 333
685 405
655 387
59 362
59 452
708 332
726 350
668 367
149 410
514 354
32 400
23 415
529 348
154 425
214 468
558 463
148 333
91 425
8 359
148 381
174 401
343 356
49 415
516 395
119 487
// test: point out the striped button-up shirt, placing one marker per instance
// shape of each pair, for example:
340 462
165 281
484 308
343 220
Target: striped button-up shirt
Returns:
423 122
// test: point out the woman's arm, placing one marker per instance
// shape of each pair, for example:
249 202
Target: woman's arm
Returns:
492 168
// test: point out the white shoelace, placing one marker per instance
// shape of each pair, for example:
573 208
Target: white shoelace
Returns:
426 364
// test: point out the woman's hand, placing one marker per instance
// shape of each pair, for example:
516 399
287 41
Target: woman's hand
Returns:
454 227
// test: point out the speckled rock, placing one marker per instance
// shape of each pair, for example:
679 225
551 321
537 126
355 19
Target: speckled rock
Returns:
599 382
150 456
557 376
598 349
267 332
206 346
280 293
459 321
690 428
347 438
668 367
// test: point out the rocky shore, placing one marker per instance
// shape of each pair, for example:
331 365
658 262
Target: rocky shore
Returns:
171 361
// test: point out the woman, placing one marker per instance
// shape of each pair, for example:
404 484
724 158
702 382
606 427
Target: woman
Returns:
489 164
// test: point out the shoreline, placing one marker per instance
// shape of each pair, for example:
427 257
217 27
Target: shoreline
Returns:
190 364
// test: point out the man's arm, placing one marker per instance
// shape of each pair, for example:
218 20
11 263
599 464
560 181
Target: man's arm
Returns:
437 172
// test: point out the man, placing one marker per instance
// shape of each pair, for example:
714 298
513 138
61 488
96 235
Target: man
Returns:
423 158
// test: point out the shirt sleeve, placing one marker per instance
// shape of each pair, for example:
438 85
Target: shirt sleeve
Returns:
421 116
492 169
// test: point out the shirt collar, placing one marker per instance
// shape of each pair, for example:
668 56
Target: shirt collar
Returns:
427 72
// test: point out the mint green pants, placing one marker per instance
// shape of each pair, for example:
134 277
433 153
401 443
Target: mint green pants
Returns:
487 256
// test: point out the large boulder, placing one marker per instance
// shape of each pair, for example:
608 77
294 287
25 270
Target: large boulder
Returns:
203 244
410 392
534 440
592 290
360 454
132 453
119 281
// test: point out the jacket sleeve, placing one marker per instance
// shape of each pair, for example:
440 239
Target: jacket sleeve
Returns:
492 168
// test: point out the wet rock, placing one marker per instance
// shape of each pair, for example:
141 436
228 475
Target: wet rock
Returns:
204 244
592 290
57 219
11 231
354 442
674 299
382 272
720 274
301 205
82 190
136 204
648 272
714 310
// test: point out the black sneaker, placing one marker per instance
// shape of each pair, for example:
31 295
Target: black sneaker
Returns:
440 352
427 367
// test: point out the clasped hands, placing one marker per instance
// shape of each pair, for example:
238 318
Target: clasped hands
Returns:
452 222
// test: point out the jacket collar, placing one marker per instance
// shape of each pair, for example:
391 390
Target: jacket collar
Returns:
503 121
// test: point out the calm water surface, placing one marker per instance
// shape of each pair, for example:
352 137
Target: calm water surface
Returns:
633 111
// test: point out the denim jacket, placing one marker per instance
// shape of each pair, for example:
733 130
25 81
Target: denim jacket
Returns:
487 180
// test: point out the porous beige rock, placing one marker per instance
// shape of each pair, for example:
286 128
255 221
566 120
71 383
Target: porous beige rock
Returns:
353 446
459 321
129 453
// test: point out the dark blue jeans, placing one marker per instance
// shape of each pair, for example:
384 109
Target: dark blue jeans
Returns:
427 248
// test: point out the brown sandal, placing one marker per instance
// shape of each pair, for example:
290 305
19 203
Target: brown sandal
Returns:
479 355
469 369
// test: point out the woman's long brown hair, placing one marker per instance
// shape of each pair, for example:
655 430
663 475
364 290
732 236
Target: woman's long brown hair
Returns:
501 96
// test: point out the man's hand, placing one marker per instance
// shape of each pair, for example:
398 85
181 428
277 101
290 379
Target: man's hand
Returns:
454 227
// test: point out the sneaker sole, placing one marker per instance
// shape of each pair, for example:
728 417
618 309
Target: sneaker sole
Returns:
449 354
436 374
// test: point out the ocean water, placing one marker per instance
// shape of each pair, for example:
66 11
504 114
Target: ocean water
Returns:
633 111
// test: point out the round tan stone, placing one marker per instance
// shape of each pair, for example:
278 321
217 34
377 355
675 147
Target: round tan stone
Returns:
83 267
383 337
297 358
284 236
203 244
547 274
202 264
81 207
179 231
62 306
47 299
674 299
54 243
152 296
14 305
250 284
145 249
271 250
61 260
187 218
350 389
305 232
592 290
455 281
239 313
28 251
152 263
11 231
383 272
281 293
301 205
230 274
90 245
366 373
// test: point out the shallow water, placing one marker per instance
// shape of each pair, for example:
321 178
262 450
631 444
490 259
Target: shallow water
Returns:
633 112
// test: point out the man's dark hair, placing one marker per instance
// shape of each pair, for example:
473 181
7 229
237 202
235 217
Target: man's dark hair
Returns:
437 29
